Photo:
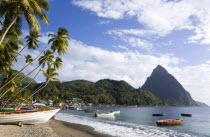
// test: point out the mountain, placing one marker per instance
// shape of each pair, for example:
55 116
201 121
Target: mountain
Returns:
167 88
21 75
104 91
201 103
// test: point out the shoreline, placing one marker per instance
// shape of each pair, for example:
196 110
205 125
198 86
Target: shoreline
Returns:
76 129
52 128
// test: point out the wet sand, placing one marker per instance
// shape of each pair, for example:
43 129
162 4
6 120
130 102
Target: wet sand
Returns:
53 128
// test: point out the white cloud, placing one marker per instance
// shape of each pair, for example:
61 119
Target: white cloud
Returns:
132 39
160 16
121 47
138 43
132 32
91 63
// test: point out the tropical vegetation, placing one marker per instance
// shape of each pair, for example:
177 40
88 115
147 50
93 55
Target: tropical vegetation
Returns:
13 13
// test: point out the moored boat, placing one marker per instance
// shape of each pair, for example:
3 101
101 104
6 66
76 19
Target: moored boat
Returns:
161 114
108 114
27 117
116 112
167 122
186 115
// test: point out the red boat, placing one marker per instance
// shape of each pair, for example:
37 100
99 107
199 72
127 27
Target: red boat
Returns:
167 122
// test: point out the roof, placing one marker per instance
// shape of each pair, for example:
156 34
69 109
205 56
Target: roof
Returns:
42 101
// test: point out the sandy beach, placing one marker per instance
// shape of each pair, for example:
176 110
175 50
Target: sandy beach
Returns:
53 128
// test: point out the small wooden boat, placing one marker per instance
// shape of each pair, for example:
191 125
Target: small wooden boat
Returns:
116 112
9 109
186 115
26 117
27 109
108 114
167 122
162 114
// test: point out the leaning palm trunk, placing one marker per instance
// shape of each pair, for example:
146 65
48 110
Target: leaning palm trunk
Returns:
8 28
22 79
36 91
22 88
14 58
23 68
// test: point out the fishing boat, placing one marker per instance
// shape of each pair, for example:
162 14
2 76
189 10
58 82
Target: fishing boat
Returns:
167 122
162 114
27 117
116 112
186 115
108 114
9 109
27 109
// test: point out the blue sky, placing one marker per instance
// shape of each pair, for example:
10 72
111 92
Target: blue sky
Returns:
127 39
84 25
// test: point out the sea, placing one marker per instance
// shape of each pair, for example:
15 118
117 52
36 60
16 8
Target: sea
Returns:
139 122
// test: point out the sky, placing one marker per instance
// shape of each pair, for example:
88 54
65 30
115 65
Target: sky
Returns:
127 39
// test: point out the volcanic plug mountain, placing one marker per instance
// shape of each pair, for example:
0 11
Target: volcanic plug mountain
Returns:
167 88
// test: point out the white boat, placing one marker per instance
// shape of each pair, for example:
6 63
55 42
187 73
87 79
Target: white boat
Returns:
27 117
108 114
116 112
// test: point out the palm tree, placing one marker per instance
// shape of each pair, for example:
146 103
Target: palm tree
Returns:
14 10
28 58
50 75
60 38
48 58
13 85
60 41
57 63
22 88
8 51
33 40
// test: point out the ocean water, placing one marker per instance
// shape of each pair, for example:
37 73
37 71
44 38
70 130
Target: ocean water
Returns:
139 122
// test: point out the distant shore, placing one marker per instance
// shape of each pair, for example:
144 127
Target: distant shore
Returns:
53 128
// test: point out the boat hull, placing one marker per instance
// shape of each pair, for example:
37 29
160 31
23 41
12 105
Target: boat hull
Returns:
104 114
27 117
158 114
169 122
186 115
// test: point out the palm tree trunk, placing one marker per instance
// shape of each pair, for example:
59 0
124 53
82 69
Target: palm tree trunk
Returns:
23 69
36 91
8 28
21 79
22 88
18 53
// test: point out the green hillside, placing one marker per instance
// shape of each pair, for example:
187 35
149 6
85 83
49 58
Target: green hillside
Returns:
102 92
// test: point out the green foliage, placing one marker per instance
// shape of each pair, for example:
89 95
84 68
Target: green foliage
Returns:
104 92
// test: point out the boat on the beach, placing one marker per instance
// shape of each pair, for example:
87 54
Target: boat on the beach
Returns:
27 117
161 114
186 115
108 114
168 122
9 109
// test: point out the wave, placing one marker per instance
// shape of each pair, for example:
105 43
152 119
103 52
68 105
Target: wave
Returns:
120 129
